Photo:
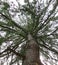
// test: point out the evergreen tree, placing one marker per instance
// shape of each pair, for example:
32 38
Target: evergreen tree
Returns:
29 31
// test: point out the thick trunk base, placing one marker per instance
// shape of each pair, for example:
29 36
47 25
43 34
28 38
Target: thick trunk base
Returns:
32 56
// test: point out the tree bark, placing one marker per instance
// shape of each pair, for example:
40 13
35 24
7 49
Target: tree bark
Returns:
32 56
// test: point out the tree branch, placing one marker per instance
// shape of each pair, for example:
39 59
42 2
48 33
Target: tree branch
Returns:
41 13
16 53
46 21
14 23
47 47
6 28
13 51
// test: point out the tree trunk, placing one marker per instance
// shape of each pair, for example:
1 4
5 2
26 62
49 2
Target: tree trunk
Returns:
32 56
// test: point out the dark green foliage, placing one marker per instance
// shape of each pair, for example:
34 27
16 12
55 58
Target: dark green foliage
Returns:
1 40
38 21
6 5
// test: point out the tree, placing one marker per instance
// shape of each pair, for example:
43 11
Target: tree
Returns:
32 34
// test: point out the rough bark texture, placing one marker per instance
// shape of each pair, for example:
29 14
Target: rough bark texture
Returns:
32 53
